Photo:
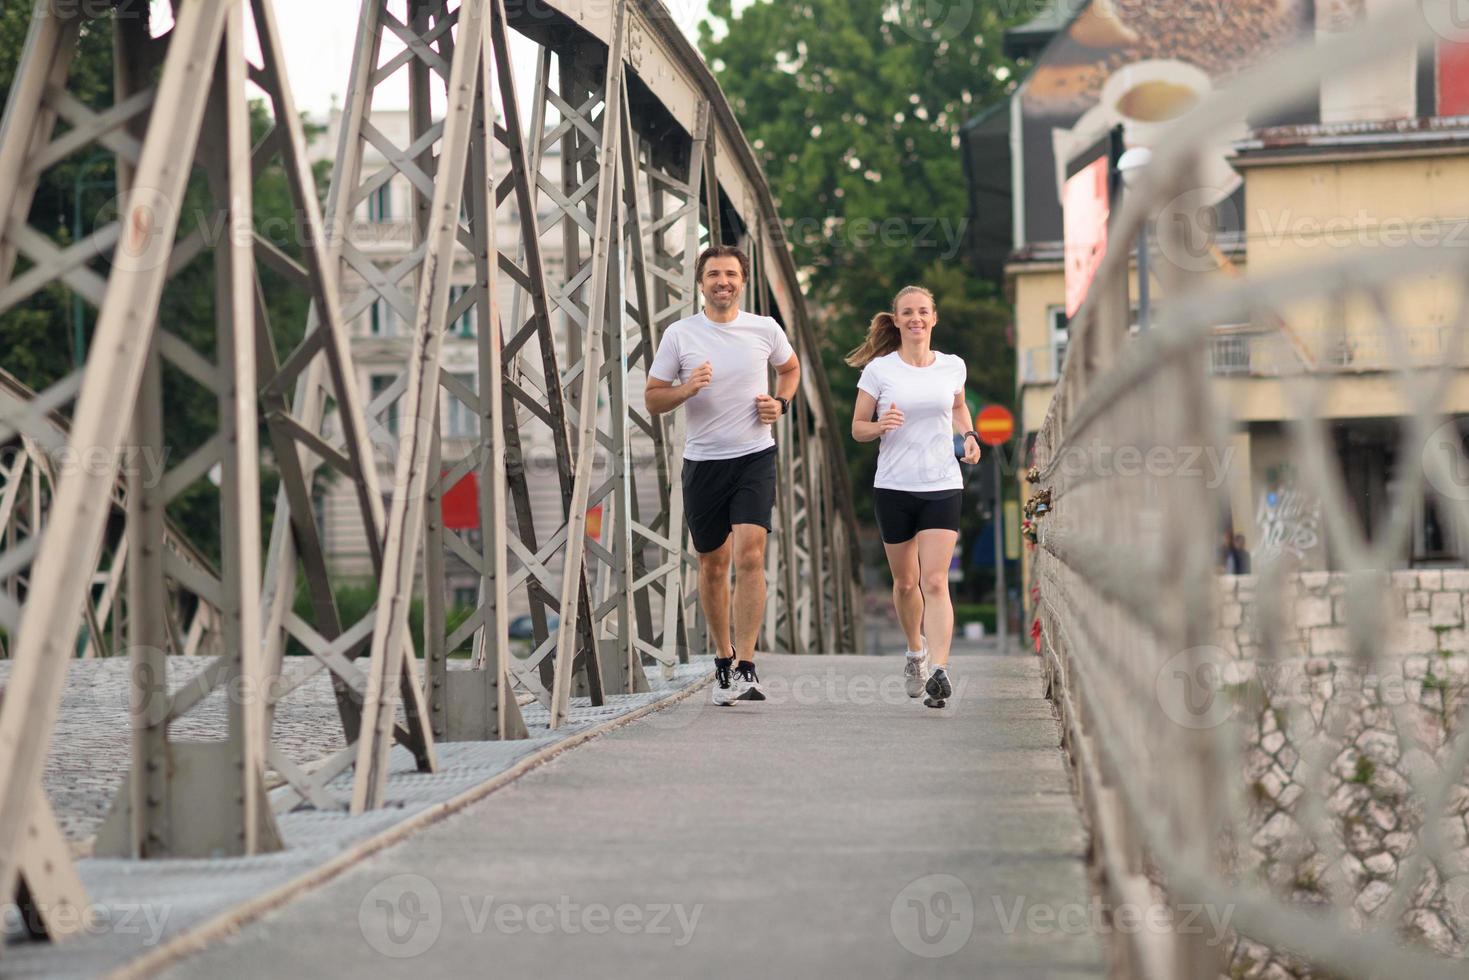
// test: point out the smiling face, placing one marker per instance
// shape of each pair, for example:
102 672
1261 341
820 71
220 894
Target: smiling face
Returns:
916 317
722 282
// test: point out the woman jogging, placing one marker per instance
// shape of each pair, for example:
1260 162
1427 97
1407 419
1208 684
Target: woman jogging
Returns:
916 395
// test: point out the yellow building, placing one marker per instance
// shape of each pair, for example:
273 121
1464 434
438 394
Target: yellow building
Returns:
1379 162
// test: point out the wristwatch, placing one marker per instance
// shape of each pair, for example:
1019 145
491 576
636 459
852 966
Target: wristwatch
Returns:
785 404
971 432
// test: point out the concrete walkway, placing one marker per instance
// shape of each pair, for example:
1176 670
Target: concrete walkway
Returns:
838 829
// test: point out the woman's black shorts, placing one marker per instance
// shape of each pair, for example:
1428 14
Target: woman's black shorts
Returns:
901 514
719 493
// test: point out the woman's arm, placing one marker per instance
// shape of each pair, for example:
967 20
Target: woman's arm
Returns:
866 430
963 424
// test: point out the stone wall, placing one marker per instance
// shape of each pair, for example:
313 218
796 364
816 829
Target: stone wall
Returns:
1313 718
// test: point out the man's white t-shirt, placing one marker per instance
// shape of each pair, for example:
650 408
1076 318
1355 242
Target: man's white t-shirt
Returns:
723 421
919 454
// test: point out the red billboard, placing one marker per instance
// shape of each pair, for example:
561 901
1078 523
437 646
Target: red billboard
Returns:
1084 208
1453 79
460 504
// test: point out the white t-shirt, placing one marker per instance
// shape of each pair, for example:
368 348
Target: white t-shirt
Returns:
919 454
723 421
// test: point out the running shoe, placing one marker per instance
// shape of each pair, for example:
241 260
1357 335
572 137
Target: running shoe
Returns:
747 683
915 672
938 690
723 690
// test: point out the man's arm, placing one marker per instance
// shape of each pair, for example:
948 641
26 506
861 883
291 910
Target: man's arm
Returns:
664 396
787 380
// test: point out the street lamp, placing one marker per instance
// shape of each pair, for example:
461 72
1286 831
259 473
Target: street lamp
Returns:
1129 165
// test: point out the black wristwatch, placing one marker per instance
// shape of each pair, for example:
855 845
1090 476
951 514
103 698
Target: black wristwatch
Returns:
785 404
971 432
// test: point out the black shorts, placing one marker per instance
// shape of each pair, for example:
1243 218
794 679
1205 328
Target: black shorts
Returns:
720 493
901 514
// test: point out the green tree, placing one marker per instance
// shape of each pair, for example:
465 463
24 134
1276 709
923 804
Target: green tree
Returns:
77 196
854 108
35 337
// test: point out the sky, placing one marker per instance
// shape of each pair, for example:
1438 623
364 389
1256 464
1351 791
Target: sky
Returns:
318 37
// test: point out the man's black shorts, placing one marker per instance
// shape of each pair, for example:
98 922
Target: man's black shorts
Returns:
901 514
719 493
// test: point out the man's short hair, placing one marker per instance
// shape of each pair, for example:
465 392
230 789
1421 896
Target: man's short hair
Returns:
721 252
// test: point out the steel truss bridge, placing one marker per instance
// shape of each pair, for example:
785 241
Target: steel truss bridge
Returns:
653 167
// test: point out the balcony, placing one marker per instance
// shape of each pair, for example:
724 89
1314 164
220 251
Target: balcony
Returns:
1280 352
375 236
1253 352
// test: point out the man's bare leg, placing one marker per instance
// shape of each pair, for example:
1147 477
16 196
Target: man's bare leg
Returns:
714 595
749 592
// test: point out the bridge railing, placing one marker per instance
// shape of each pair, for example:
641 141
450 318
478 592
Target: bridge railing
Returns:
1206 779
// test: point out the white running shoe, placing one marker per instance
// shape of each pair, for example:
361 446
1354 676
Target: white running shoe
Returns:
915 672
747 684
723 691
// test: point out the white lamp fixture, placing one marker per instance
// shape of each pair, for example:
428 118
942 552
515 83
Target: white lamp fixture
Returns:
1132 161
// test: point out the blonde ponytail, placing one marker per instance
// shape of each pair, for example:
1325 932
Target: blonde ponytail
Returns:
882 333
882 338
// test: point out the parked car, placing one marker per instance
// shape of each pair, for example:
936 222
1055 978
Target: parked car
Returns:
521 629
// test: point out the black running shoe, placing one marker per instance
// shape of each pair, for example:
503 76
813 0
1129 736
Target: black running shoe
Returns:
938 690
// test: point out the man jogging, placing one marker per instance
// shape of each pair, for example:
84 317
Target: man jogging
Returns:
717 362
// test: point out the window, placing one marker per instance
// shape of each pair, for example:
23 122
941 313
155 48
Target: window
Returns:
1060 334
463 325
379 384
466 597
1230 355
459 419
380 204
381 322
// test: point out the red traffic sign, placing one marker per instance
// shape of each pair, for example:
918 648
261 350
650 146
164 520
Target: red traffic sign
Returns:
995 425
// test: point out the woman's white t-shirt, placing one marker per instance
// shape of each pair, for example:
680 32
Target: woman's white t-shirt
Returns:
919 454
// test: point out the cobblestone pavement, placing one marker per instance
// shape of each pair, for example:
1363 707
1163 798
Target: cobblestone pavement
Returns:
137 908
90 752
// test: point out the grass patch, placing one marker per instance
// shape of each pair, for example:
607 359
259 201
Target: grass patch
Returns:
975 612
355 601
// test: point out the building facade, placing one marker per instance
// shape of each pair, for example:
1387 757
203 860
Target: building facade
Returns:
379 239
1380 159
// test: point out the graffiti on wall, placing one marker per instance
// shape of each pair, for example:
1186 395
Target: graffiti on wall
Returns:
1288 520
